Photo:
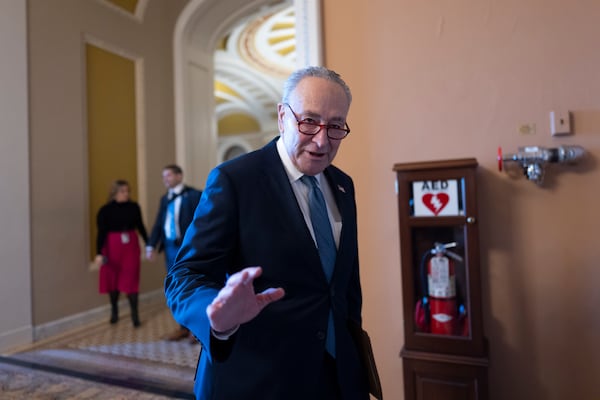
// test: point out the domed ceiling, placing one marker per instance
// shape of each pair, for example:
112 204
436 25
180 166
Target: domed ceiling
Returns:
251 65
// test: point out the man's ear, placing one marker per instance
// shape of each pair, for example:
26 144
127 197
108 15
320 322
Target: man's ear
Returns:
280 115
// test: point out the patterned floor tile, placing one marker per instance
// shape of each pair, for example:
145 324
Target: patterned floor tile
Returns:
120 353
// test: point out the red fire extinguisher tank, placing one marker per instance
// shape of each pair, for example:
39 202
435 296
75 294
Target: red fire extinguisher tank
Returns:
442 295
438 310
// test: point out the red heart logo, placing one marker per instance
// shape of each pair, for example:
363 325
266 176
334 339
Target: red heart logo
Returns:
436 202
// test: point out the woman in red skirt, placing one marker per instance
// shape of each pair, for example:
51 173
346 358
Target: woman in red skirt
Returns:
118 249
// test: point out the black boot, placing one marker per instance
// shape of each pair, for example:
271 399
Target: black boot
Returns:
133 303
114 306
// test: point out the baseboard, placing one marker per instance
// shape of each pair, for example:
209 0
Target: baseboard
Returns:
15 338
59 326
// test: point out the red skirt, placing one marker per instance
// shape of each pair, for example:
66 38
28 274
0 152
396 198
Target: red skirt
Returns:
121 271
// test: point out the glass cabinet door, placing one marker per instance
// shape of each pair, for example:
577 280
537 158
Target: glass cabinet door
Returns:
441 287
440 256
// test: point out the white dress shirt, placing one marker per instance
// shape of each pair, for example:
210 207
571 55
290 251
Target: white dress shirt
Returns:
174 192
301 192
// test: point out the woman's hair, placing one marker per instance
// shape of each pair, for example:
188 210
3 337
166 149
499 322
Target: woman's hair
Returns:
114 188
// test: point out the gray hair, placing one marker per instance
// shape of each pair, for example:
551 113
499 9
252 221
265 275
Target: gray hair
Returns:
313 71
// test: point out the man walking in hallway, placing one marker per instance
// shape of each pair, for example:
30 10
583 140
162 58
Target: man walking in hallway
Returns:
268 277
175 213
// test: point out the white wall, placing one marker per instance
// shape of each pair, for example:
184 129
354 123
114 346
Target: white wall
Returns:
15 260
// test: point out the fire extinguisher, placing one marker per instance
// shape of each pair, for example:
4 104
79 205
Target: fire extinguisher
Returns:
440 309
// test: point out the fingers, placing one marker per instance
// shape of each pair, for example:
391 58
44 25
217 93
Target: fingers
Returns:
237 302
245 276
214 307
228 310
269 296
150 254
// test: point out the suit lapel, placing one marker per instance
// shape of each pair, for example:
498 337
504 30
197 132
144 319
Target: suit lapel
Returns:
285 206
344 202
277 183
340 193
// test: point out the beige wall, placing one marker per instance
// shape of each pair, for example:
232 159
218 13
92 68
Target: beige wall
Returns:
58 29
446 79
15 257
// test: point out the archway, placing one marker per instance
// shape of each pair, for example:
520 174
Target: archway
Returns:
201 24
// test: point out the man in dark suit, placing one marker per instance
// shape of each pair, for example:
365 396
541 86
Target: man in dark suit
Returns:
252 281
175 213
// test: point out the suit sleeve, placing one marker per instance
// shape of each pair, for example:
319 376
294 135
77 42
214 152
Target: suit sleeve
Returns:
207 254
197 194
157 229
139 223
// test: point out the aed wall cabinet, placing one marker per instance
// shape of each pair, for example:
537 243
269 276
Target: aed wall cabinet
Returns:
445 351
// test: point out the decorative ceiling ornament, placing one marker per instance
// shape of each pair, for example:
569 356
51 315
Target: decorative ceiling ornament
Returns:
268 43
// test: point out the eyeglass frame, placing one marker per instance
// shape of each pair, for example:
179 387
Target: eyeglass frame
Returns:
321 126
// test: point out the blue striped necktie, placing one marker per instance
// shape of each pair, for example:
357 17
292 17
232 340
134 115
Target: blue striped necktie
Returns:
325 243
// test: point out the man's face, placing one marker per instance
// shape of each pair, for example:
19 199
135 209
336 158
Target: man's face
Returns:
313 100
171 179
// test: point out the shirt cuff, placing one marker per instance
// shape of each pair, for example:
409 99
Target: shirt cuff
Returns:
224 335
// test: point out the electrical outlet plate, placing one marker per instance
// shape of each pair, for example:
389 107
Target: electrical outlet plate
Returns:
560 123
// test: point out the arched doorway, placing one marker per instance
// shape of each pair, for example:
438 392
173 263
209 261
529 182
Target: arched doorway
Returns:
200 26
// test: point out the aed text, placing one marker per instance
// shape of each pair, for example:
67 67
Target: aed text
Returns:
434 185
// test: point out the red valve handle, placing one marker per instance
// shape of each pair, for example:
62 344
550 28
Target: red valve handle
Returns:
499 158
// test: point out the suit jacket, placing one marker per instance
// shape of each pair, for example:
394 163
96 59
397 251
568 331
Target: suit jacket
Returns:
190 197
248 216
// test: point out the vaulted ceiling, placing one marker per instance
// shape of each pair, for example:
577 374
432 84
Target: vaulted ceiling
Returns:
251 64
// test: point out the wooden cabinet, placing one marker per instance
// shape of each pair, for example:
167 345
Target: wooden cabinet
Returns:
445 351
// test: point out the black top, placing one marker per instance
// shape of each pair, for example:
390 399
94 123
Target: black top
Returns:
118 217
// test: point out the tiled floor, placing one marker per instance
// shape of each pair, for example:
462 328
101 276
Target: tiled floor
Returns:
24 383
120 354
146 342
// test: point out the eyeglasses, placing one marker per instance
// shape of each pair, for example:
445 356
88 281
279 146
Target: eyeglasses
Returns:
336 132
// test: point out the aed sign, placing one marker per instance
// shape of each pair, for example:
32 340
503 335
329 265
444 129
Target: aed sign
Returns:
435 198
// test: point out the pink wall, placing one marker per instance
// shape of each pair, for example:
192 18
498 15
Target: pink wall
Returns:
438 80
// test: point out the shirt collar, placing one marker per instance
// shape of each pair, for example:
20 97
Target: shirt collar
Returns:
292 172
177 189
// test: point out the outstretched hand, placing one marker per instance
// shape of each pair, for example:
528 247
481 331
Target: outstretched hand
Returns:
237 303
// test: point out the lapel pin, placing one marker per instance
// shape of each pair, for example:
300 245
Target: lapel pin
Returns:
341 189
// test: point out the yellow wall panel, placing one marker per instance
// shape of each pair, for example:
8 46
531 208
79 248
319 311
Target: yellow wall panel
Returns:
111 127
236 124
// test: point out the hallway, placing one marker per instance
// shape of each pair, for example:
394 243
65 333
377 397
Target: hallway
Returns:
103 361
